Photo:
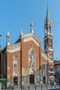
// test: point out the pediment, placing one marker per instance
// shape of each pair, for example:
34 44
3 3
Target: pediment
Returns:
31 37
28 37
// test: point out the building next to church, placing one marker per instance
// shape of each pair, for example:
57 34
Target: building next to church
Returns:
25 62
57 71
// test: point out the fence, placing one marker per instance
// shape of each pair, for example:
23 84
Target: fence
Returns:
32 87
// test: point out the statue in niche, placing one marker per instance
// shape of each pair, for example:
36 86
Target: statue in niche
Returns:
15 64
31 62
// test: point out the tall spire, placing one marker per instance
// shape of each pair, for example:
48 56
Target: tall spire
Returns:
48 24
48 21
48 40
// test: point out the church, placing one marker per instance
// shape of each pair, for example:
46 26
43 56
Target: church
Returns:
25 62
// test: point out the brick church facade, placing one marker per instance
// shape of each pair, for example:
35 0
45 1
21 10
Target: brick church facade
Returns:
25 62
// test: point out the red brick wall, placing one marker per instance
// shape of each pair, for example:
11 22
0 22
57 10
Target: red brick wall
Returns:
10 63
26 46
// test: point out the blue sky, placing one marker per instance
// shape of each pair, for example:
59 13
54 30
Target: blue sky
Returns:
14 13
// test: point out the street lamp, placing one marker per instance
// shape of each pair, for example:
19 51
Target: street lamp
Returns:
0 56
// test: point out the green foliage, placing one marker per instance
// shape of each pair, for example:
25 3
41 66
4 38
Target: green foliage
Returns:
2 79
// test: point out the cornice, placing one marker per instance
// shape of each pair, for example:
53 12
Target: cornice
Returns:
31 36
14 48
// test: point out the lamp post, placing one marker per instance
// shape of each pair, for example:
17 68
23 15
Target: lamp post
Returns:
0 57
21 64
0 44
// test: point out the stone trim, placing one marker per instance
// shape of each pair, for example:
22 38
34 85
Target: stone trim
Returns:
45 56
14 48
33 36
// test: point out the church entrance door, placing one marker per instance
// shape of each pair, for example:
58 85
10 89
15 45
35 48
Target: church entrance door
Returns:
15 80
31 79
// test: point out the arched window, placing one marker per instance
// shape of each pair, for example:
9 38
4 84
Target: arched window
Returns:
31 61
15 63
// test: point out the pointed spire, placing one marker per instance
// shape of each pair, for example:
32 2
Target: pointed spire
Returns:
31 26
48 21
21 29
47 24
7 39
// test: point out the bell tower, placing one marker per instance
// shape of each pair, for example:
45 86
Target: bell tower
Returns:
48 38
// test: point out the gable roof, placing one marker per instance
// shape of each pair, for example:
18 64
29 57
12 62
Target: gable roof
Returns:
31 35
26 37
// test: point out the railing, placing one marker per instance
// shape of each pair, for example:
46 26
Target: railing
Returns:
33 87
